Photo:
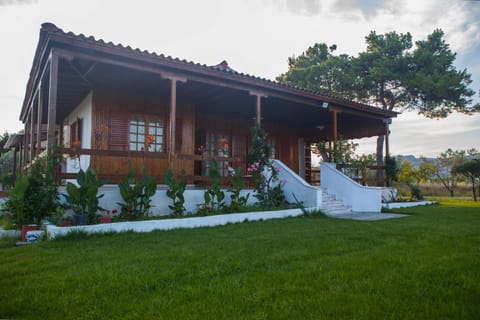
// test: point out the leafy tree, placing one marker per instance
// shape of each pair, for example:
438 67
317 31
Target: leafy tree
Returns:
414 176
3 139
6 163
342 152
471 170
318 69
391 169
389 74
445 164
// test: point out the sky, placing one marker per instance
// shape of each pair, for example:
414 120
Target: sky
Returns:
255 37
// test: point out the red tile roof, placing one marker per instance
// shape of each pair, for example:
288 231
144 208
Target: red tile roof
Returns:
51 33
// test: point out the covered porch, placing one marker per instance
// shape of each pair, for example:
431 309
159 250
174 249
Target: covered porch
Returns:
110 106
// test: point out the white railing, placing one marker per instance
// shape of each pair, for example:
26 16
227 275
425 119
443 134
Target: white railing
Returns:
296 187
351 193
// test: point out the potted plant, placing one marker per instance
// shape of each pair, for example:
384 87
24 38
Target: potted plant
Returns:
82 198
33 198
109 217
18 207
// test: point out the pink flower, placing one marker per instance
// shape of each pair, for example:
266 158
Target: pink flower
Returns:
278 169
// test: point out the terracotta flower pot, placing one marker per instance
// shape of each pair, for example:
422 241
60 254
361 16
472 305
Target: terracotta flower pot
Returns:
28 227
66 223
105 219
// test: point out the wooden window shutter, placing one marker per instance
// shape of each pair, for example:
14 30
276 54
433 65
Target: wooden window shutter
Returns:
73 133
101 120
119 123
80 130
239 148
178 135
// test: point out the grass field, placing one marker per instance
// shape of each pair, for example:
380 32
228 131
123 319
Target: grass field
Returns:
426 266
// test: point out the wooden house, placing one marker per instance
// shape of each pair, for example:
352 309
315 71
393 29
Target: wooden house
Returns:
116 105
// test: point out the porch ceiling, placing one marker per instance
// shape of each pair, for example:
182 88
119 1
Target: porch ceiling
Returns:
78 76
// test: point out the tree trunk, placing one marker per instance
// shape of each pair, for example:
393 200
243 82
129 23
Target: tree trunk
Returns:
380 175
473 190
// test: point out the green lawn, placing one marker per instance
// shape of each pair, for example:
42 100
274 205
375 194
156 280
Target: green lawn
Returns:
426 266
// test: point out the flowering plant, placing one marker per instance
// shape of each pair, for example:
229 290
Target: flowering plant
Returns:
149 140
265 176
99 133
75 149
112 213
100 130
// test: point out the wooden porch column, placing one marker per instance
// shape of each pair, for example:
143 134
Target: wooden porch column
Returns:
15 166
258 117
20 153
335 127
387 133
52 101
334 133
258 106
32 132
39 119
173 112
173 116
26 137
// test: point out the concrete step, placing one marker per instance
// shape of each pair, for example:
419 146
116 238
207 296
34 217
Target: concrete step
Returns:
334 207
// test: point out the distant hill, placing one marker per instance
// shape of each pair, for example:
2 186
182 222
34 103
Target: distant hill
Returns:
414 161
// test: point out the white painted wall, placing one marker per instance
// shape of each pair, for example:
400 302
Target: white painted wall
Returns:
84 112
160 201
310 196
169 224
351 193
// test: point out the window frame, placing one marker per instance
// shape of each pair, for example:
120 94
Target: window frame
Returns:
147 120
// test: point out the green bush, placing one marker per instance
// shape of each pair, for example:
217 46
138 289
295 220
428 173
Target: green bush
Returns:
136 197
34 196
83 199
214 196
416 192
175 191
238 203
268 187
8 181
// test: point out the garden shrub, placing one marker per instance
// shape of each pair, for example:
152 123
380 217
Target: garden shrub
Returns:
35 195
136 197
268 187
238 203
214 196
82 198
175 191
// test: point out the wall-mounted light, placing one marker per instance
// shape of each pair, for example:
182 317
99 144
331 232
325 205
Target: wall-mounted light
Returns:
325 105
320 127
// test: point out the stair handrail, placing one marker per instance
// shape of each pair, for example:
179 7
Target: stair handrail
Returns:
359 198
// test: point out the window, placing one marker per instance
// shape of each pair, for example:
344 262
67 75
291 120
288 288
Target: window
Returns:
76 133
218 145
146 133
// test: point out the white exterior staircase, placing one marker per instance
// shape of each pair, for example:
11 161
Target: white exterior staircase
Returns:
333 207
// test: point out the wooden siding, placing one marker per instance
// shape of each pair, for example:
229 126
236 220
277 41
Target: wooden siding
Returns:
113 110
110 150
